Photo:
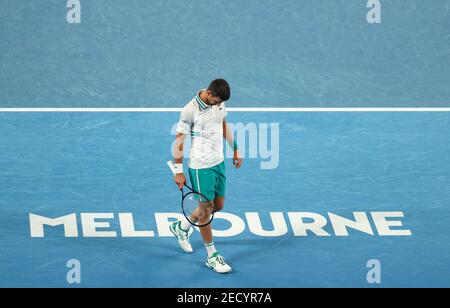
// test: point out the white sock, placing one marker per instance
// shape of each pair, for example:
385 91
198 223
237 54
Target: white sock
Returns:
185 225
210 249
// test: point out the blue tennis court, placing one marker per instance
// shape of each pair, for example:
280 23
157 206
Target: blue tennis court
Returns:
56 164
321 195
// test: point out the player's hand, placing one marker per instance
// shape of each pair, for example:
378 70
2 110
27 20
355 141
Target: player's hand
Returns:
180 179
237 160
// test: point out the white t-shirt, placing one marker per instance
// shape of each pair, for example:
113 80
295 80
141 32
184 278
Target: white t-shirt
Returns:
205 125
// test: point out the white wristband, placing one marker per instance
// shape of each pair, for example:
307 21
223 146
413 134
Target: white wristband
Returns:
178 168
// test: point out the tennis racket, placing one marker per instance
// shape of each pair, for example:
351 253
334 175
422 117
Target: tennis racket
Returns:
196 207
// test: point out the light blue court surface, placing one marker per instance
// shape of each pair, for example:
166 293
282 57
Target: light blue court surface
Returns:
55 164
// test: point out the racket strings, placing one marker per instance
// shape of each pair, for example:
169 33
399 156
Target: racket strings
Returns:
196 208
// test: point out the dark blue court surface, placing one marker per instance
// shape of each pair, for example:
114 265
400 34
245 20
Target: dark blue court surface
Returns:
58 164
328 193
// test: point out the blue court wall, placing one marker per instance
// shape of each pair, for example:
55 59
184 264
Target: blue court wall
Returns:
142 53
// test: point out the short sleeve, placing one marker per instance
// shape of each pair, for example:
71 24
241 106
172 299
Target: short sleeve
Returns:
186 121
224 111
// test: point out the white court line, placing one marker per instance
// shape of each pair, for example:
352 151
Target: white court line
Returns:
244 109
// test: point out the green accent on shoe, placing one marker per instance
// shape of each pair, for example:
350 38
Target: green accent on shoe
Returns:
214 255
179 226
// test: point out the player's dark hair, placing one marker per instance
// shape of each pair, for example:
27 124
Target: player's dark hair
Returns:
220 88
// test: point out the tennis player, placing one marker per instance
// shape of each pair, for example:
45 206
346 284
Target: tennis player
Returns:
203 118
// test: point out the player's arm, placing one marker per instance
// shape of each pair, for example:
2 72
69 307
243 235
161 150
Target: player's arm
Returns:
183 130
228 136
179 177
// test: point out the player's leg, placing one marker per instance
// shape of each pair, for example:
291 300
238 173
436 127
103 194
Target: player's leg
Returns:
219 203
201 181
182 228
215 260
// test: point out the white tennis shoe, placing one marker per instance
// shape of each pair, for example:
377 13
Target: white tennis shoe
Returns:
218 264
182 236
